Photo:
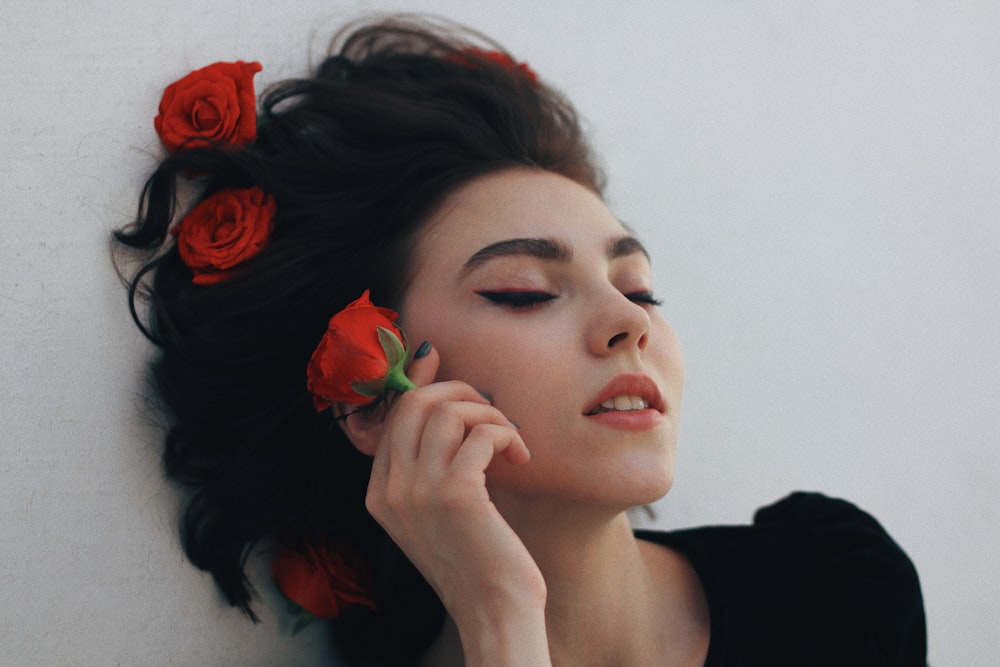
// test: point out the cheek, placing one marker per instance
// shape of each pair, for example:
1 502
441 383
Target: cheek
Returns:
488 358
515 369
529 383
467 350
669 352
423 319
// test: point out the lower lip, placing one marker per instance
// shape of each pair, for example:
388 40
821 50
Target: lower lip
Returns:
633 420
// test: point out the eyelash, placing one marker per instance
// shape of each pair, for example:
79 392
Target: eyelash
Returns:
527 300
645 298
517 300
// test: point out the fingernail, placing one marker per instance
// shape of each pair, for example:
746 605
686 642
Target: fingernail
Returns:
512 423
485 395
423 350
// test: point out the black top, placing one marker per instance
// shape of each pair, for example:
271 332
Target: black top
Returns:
814 582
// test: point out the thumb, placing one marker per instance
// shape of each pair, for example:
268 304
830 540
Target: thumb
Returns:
424 367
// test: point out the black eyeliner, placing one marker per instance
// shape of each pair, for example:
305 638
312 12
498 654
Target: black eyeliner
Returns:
516 299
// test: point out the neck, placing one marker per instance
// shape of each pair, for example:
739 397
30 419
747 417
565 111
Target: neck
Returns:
593 572
611 599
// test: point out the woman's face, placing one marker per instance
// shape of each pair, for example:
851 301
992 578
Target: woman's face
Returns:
535 294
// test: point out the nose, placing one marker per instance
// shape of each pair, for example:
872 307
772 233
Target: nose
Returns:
618 323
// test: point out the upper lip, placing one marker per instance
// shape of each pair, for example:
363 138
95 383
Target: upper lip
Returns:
629 384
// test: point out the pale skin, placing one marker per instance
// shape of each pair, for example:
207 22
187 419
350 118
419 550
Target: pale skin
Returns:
532 293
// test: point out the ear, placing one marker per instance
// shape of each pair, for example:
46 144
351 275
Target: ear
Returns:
364 428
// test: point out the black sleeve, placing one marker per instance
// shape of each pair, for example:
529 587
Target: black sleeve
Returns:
875 613
813 582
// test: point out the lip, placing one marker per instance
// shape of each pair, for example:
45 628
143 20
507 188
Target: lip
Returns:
629 384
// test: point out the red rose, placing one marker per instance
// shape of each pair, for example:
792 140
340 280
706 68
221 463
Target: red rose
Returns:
214 105
224 230
323 580
467 57
359 358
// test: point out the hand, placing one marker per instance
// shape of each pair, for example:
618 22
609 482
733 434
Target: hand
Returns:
428 490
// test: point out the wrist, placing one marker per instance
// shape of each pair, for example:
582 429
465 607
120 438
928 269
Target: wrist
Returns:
514 636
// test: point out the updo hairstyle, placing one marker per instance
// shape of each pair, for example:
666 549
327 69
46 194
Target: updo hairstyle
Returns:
357 156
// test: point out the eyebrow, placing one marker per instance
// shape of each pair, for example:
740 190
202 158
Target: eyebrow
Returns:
549 249
625 245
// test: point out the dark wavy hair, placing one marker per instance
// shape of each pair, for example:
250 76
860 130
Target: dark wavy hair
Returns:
357 156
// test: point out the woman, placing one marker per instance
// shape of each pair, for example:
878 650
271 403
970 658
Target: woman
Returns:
477 513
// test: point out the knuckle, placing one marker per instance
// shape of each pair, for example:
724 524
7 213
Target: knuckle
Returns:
487 432
484 429
447 410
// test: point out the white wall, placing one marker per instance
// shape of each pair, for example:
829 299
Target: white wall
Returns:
818 183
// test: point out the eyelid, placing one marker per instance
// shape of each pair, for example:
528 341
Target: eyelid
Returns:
517 299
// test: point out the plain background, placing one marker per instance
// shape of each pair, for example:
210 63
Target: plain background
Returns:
819 184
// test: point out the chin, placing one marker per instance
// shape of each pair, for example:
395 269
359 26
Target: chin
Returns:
649 488
635 481
648 475
632 488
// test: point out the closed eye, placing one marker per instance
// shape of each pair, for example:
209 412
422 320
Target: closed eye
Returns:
645 298
516 300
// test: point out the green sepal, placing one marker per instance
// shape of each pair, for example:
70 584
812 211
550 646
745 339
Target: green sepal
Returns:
398 380
395 353
302 623
369 387
302 617
395 378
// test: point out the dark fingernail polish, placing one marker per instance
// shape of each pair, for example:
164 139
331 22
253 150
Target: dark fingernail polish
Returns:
485 395
423 350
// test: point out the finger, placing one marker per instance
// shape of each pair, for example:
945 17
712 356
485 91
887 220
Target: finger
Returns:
400 463
424 367
447 428
486 441
407 418
409 413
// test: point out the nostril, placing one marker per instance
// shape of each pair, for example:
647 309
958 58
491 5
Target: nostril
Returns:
617 338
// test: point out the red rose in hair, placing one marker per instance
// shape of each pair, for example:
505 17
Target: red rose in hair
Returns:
359 358
224 230
210 106
467 57
323 580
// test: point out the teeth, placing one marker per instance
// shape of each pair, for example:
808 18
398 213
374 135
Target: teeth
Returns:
625 403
